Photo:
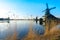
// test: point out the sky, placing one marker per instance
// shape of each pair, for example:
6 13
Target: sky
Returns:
27 8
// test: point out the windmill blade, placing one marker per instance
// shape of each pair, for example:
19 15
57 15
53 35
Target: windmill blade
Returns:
52 8
47 5
44 10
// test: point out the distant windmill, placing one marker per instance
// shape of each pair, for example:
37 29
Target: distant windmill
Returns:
31 16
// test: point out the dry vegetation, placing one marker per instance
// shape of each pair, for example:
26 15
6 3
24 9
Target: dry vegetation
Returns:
53 34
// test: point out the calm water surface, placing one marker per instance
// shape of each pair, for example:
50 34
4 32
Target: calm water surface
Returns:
19 27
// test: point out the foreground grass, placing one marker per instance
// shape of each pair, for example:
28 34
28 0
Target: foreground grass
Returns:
50 35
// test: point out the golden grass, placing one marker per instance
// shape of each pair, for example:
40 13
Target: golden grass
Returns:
49 35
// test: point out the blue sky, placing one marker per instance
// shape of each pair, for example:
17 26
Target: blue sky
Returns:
26 8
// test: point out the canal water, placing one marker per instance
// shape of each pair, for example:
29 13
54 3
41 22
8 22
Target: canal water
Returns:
19 28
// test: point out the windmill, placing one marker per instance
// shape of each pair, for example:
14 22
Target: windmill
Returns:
47 10
47 13
48 16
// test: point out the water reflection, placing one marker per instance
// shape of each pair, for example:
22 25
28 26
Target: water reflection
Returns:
38 28
4 21
3 30
19 27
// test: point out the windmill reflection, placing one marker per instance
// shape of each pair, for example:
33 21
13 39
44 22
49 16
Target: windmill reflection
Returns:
40 21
